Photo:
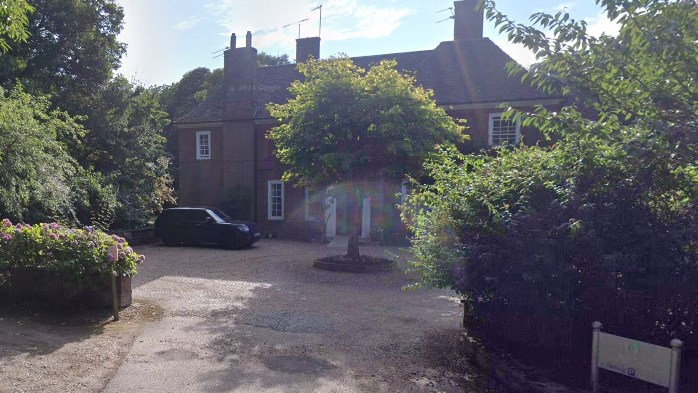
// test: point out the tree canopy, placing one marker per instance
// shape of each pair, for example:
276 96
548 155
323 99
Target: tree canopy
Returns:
118 164
346 125
264 59
14 22
607 214
72 48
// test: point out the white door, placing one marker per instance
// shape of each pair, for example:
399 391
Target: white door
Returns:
366 219
330 217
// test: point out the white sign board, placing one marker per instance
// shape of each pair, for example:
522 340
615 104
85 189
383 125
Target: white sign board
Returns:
636 359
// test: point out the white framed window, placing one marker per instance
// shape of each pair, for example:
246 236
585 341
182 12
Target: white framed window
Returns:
503 131
203 145
275 200
404 193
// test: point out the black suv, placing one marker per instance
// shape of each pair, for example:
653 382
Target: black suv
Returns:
195 225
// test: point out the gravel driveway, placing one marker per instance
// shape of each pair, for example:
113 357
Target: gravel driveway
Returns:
263 320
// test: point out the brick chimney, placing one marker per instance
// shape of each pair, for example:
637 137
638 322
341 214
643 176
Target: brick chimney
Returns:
240 72
307 47
469 22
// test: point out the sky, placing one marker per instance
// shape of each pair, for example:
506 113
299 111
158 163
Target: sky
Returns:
167 38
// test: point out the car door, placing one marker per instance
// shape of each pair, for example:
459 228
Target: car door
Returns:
205 227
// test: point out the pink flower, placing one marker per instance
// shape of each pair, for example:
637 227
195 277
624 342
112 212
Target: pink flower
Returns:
7 237
53 236
6 223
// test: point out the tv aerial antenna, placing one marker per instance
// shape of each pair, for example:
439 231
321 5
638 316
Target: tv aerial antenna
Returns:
320 29
219 51
299 23
453 15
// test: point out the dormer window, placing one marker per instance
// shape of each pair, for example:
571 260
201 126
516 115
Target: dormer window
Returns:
203 145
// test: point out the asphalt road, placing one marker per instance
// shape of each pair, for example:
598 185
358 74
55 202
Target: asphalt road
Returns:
263 320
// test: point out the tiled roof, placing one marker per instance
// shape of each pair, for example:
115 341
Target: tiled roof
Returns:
459 72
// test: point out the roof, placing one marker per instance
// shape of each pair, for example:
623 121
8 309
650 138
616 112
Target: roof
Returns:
459 72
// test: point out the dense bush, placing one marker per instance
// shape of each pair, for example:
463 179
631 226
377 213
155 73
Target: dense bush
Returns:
602 225
237 202
80 256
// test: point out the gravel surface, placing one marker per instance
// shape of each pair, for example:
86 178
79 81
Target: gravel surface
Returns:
263 320
254 320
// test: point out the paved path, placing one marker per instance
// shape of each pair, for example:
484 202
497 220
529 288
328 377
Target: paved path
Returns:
263 320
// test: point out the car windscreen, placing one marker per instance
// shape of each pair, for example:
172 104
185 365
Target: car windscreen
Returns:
216 214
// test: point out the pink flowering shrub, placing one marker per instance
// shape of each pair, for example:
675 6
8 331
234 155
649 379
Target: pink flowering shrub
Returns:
51 248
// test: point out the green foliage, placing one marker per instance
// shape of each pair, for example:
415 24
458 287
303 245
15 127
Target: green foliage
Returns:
346 124
601 225
36 170
14 22
237 202
71 49
265 59
114 168
126 146
349 126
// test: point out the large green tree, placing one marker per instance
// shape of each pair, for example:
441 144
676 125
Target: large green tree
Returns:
127 146
39 180
607 215
14 22
347 126
71 50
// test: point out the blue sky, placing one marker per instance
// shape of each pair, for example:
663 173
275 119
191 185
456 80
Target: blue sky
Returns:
167 38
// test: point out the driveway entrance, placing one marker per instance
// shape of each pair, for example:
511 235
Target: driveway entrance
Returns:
263 320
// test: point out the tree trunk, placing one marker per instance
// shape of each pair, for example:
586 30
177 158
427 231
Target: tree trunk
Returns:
355 209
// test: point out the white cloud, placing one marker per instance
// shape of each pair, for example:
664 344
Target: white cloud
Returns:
595 27
341 20
518 52
187 24
565 6
602 25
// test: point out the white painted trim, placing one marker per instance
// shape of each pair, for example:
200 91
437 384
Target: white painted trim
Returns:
306 204
200 156
490 128
270 183
403 193
366 218
494 105
330 216
198 125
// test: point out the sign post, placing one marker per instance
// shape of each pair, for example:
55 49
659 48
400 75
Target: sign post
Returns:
636 359
114 256
595 356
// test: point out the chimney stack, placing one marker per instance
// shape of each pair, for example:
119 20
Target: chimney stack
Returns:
469 22
307 48
240 72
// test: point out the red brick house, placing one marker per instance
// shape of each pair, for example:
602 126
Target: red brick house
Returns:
222 143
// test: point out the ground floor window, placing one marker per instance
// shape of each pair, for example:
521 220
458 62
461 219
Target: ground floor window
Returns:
275 200
503 131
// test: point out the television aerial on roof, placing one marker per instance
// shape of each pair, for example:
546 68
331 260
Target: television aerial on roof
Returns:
315 9
453 15
299 23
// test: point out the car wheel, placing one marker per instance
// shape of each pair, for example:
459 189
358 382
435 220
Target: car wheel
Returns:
231 244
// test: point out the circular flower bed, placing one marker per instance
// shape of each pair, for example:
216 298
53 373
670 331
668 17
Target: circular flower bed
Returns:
366 264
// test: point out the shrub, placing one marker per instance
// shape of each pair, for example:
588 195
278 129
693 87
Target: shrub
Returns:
601 225
80 256
237 202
